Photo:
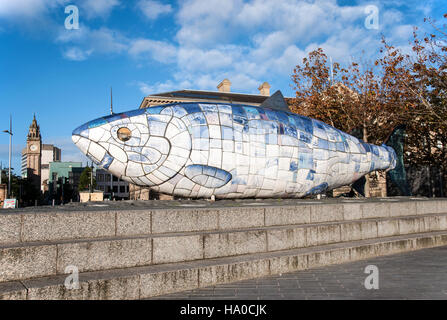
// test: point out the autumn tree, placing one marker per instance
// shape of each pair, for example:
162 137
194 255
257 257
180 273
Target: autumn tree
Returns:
419 80
85 180
349 98
352 99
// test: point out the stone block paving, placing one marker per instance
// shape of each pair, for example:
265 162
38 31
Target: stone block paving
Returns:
419 274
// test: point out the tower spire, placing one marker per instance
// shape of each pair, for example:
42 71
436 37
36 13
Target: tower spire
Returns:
34 129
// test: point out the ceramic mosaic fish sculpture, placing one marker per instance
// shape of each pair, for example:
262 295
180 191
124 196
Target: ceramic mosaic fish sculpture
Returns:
231 151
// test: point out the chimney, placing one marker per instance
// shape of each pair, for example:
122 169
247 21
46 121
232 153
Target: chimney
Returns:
224 86
264 89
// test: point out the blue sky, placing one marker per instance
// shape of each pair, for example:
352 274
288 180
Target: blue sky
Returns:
146 46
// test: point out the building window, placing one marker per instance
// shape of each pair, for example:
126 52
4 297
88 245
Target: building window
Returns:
107 178
115 178
122 189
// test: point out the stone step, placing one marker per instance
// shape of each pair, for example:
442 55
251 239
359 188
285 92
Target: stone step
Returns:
51 224
36 259
149 281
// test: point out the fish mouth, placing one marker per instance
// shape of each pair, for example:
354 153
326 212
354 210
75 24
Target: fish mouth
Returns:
88 147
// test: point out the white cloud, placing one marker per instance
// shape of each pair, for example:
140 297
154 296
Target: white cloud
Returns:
27 8
205 22
82 43
403 32
153 9
288 60
277 35
158 87
98 8
105 40
249 41
193 58
76 54
36 8
242 82
24 12
158 50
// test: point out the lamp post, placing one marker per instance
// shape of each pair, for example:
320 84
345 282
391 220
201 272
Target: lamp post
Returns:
10 150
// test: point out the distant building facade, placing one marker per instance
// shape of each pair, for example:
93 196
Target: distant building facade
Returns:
50 154
113 187
63 181
36 158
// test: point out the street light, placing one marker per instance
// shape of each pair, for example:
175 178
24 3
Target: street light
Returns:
10 146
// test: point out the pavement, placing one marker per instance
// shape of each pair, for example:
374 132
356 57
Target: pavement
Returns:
418 274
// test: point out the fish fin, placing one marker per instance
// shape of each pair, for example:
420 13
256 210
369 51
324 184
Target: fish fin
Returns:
398 175
276 101
321 188
207 176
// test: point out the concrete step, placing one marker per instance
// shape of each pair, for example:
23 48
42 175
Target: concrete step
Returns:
149 281
51 224
26 260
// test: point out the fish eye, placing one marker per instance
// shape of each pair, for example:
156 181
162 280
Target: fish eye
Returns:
124 134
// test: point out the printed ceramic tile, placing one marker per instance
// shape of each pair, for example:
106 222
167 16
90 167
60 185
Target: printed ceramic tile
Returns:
167 111
208 107
226 119
216 143
215 132
228 145
212 118
134 169
96 134
178 110
83 144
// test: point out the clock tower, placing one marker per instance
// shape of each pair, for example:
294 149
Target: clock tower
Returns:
33 152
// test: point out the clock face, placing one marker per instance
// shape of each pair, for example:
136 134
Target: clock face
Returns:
33 147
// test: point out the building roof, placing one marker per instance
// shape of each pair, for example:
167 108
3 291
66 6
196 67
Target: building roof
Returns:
202 96
48 147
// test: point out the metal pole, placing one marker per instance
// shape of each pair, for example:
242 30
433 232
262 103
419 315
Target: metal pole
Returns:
91 180
111 101
10 152
9 169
